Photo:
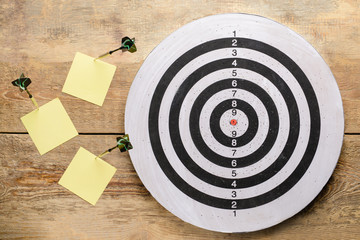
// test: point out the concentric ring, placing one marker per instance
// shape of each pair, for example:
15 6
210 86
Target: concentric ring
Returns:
251 130
195 115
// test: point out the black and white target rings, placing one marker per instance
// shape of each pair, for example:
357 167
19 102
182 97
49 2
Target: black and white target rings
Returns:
236 122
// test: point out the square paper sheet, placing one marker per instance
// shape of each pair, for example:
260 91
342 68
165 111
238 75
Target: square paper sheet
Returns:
49 126
88 79
86 176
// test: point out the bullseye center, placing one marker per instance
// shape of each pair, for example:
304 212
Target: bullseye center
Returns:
239 123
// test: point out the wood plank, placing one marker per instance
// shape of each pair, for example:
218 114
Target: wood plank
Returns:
33 205
40 38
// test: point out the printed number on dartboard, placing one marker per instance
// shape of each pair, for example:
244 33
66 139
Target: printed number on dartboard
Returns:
233 203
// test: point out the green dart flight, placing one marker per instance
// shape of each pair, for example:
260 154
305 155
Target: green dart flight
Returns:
23 82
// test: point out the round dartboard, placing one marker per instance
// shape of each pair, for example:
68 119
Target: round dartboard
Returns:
236 123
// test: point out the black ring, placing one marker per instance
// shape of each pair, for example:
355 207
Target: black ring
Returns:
212 156
243 139
196 109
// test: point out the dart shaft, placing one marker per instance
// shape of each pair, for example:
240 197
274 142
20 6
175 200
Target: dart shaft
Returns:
112 51
34 102
102 56
32 99
106 152
103 154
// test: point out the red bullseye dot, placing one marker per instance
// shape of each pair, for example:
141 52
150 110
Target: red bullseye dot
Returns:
233 122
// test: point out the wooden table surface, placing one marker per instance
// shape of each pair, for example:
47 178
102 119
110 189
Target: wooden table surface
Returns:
40 38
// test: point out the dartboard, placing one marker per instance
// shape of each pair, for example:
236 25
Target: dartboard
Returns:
236 123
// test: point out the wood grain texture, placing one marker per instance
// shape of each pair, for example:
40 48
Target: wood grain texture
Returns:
33 205
40 38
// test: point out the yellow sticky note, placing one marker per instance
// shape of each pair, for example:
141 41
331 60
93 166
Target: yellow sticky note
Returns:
88 79
87 176
49 126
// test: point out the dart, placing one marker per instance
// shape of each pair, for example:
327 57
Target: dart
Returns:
123 143
127 44
23 82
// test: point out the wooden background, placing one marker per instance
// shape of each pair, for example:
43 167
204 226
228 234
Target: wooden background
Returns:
40 38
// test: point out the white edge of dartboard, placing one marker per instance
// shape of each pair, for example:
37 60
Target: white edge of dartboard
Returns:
159 190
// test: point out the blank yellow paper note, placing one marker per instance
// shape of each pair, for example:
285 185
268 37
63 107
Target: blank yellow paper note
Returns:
49 126
88 79
87 176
